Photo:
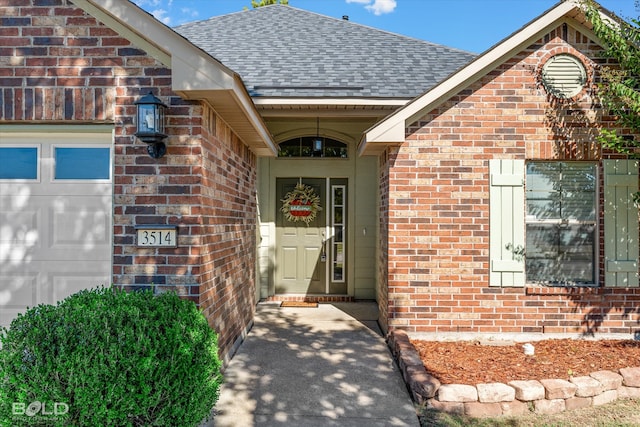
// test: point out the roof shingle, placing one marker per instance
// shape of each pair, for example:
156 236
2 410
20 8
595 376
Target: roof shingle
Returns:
282 51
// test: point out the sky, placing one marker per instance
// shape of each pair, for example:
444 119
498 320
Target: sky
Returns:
471 25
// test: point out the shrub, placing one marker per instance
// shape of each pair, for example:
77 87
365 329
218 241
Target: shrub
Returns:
109 358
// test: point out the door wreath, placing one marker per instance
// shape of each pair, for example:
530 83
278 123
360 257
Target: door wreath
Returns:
301 204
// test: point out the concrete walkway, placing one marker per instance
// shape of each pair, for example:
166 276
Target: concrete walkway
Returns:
325 366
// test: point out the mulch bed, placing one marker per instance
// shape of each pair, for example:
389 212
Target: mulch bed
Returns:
472 363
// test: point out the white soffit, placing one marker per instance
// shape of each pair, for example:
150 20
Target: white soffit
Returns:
328 107
331 101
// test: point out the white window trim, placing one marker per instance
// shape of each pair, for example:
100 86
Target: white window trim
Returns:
52 169
38 148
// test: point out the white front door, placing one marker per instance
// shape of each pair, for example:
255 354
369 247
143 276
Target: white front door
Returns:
55 217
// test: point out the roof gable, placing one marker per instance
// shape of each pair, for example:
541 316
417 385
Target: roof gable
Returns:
391 130
282 51
194 73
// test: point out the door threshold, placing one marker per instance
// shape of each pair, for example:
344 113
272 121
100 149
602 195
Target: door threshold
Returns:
311 298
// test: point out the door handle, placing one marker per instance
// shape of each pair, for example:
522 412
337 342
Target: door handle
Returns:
323 252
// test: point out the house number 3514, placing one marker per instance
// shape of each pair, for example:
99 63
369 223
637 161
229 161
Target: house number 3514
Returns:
154 237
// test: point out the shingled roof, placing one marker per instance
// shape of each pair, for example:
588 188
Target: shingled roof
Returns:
282 51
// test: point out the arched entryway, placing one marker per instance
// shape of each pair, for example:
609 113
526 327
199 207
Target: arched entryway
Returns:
331 257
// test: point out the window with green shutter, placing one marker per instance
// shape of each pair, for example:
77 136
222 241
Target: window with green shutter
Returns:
544 223
561 223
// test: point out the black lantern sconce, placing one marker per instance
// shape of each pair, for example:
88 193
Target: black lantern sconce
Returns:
150 124
317 141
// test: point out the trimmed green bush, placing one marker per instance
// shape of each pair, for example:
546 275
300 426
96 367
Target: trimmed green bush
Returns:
104 357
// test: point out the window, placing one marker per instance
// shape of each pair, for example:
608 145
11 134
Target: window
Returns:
560 222
82 163
19 163
309 146
338 193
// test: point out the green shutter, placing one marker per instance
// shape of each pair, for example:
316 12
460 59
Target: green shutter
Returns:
620 223
506 222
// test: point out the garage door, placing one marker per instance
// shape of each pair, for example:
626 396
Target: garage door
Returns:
55 217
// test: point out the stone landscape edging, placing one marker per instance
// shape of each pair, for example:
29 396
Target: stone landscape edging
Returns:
548 396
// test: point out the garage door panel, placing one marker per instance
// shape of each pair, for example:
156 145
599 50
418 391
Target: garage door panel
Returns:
80 223
17 290
64 279
70 282
19 229
15 196
64 229
46 282
8 314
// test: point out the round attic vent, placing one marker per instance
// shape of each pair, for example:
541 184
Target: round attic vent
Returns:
564 75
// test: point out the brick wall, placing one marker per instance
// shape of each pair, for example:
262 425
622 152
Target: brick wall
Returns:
58 65
228 230
382 291
438 219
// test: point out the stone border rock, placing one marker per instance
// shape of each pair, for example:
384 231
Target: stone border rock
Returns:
549 396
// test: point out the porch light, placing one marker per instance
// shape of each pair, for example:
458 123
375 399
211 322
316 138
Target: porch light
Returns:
317 141
150 124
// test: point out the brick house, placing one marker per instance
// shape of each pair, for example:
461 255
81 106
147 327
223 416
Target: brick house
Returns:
500 214
431 186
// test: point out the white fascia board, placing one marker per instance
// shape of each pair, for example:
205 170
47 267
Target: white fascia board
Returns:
199 73
394 132
387 130
246 104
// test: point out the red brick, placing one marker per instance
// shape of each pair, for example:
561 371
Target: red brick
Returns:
441 175
71 65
